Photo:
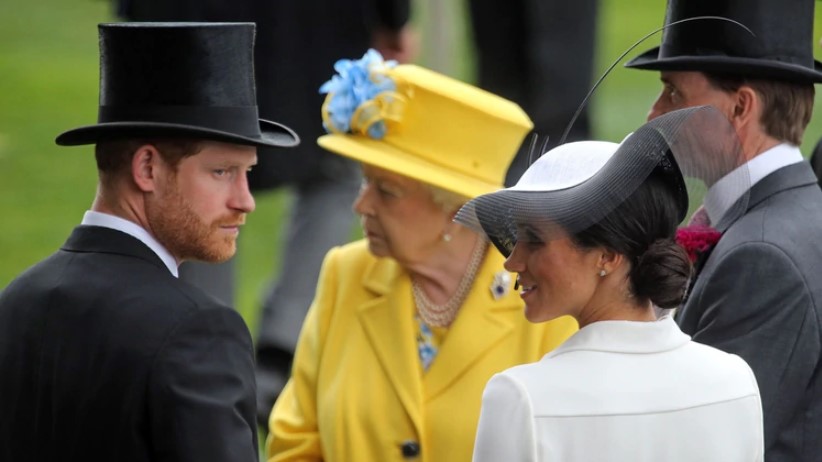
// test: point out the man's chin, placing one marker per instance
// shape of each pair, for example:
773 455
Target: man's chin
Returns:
215 253
223 257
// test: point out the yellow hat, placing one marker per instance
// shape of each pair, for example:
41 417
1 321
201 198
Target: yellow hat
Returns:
443 132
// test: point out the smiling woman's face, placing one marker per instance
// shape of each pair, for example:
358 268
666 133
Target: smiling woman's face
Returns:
556 277
399 217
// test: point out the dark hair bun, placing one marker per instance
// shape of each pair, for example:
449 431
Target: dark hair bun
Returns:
661 274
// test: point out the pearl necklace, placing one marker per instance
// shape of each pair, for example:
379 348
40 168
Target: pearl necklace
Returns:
443 315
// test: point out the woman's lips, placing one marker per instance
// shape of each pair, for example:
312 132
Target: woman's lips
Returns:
524 289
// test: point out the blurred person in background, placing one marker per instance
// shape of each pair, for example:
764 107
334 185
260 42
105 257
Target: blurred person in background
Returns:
408 324
105 354
540 55
297 42
816 161
758 294
816 158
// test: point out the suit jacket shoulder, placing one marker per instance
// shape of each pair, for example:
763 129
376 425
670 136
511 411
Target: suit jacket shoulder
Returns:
773 250
103 339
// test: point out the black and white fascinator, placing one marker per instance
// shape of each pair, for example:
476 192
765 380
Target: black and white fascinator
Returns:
575 185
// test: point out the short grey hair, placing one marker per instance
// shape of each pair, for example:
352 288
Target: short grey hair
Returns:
449 201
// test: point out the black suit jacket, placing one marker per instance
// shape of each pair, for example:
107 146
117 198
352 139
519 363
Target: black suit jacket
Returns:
106 356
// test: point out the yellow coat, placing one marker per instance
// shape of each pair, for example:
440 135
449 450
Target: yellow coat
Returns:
357 392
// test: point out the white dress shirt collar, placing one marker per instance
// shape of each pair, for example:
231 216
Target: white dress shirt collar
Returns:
625 337
725 192
91 218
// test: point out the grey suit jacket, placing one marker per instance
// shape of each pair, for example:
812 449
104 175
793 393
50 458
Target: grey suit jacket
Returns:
760 296
105 356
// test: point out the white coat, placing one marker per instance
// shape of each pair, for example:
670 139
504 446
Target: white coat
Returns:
624 391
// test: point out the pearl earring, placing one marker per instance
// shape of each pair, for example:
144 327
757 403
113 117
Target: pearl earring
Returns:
446 237
602 273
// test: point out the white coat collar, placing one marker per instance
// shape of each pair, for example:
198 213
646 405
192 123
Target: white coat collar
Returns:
625 337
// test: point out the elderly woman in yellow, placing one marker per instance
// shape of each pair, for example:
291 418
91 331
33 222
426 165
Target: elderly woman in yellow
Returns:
408 324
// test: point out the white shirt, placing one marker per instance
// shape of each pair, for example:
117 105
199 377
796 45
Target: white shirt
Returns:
725 192
105 220
620 391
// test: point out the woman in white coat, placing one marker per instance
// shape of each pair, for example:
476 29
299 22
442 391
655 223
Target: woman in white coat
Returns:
589 229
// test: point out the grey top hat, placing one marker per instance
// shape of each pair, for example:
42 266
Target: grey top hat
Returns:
780 48
179 79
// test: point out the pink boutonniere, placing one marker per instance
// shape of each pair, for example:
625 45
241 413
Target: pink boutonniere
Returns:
697 240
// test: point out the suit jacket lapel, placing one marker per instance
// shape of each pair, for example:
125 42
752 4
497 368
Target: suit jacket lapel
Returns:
792 176
388 321
481 324
789 177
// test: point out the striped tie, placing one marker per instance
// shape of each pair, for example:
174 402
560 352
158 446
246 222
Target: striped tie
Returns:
700 217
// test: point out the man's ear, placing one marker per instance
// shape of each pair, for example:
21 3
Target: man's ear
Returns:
145 164
746 106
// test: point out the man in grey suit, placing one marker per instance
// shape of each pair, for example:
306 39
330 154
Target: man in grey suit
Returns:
759 294
104 353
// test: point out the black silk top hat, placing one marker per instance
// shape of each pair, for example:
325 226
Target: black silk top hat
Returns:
780 48
191 80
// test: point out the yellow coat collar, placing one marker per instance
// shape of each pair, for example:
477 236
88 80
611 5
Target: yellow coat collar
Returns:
388 320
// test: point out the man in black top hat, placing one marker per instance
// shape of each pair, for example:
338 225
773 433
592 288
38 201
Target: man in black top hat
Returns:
759 294
297 44
104 353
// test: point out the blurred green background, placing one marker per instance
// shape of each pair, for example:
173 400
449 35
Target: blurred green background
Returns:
48 83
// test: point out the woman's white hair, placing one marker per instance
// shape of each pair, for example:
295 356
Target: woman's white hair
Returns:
447 200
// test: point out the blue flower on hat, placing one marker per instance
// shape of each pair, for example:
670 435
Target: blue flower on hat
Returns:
360 96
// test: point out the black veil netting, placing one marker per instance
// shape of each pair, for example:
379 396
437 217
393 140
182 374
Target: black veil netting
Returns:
574 185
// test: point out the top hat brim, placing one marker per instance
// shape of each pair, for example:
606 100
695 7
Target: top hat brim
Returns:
759 68
272 134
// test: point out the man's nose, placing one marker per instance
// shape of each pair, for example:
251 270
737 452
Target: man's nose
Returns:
242 199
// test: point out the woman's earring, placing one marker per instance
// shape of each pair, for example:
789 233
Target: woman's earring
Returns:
602 273
446 237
